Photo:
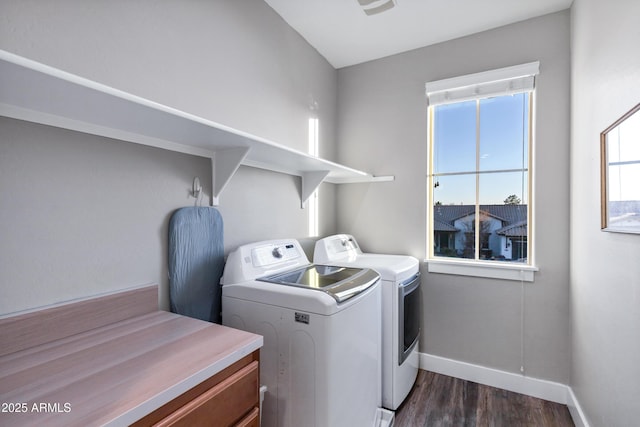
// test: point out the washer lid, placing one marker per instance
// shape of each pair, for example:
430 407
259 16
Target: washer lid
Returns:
341 283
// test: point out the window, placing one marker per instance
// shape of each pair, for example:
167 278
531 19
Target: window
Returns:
479 179
312 202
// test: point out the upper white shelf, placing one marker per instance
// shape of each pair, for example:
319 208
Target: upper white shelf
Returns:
39 93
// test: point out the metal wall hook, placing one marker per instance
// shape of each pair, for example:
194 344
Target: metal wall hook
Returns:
196 189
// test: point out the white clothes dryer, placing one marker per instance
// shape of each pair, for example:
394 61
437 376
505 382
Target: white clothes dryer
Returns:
322 337
400 280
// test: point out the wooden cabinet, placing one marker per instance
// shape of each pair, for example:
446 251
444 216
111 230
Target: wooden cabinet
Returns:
117 360
251 420
229 398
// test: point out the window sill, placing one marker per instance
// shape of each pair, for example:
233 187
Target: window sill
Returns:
520 273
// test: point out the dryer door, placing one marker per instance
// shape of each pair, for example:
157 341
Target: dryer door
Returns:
409 316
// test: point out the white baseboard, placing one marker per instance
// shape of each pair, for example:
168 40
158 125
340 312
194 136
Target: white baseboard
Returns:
542 389
579 418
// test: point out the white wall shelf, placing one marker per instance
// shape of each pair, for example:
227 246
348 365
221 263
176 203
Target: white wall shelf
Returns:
38 93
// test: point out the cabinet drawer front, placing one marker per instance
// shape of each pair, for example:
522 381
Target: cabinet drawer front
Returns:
223 405
251 420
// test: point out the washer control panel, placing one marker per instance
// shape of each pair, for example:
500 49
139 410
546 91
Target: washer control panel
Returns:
270 254
254 260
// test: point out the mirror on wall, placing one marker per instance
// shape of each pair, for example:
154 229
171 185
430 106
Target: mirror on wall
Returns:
620 174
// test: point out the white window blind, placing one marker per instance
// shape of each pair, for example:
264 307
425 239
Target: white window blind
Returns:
503 81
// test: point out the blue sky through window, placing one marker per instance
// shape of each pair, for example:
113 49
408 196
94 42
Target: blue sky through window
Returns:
502 147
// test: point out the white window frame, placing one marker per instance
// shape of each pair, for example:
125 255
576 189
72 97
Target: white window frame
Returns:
503 81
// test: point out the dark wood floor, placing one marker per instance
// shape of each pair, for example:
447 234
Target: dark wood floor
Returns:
439 400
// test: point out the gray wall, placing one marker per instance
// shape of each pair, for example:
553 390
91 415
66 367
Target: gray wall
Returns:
605 271
81 215
383 124
234 62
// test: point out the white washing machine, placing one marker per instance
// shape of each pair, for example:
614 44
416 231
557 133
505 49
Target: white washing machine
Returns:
322 337
400 280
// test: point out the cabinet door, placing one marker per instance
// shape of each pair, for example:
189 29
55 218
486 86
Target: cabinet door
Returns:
223 405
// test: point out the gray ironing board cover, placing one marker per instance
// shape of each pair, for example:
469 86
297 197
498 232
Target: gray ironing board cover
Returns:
196 261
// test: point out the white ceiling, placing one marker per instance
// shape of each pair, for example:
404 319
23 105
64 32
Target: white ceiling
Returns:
345 35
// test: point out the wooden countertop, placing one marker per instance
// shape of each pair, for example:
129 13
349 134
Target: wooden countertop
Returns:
116 373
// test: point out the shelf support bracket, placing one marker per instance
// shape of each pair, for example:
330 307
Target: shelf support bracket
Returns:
224 164
310 183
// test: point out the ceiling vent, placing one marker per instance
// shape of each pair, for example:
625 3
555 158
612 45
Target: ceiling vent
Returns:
373 7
